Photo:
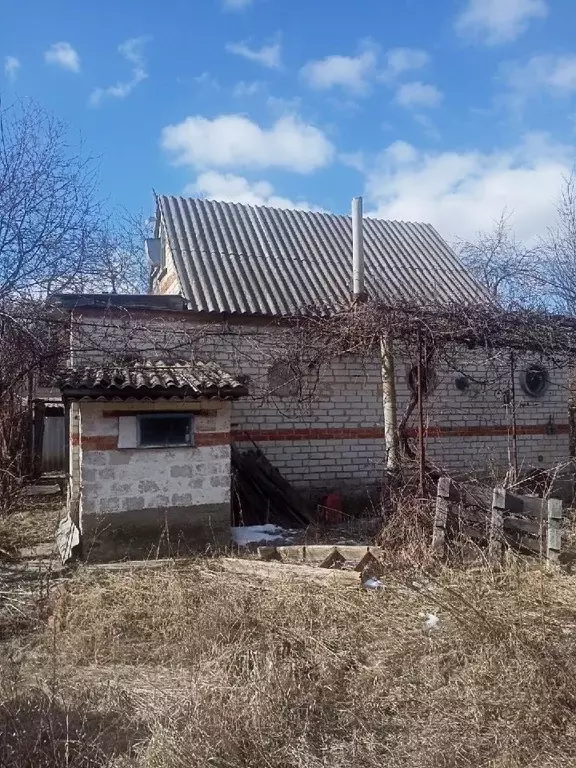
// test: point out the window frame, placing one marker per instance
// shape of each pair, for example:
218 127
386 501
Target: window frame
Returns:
189 417
543 371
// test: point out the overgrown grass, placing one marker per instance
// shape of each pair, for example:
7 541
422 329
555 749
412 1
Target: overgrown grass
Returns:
33 522
191 666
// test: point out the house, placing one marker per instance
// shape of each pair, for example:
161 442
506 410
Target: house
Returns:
227 283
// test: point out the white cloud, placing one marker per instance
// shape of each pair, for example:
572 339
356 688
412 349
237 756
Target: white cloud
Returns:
351 73
235 141
244 89
206 80
401 60
356 73
63 55
418 95
133 51
553 74
268 56
461 193
11 67
429 126
236 5
355 160
236 189
499 21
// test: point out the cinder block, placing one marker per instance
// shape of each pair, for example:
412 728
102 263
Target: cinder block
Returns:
121 489
148 486
185 499
187 470
220 481
134 502
117 458
111 505
95 458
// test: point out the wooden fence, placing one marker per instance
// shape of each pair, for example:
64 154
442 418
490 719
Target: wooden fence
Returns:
497 518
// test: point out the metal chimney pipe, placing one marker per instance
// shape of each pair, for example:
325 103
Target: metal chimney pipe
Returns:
357 249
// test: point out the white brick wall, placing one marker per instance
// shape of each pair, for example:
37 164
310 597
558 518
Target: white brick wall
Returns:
348 395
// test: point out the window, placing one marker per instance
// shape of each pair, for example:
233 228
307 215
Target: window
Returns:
163 429
534 380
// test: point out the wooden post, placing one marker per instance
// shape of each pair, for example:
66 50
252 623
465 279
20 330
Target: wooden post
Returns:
554 542
514 426
497 526
441 516
421 444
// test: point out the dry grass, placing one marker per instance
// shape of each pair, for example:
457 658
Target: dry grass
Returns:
209 669
34 522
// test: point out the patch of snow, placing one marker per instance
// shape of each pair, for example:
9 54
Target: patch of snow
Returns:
256 534
373 584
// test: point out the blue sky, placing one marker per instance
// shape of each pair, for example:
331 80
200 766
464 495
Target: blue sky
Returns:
446 111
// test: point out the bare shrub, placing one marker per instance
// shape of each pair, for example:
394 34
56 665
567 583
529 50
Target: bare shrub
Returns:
407 534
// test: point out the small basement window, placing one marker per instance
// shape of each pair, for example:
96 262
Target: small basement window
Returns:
534 380
159 430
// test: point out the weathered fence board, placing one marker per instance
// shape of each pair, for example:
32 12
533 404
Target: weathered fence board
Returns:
554 530
497 517
441 517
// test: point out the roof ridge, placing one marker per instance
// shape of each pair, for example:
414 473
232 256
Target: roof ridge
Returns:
303 211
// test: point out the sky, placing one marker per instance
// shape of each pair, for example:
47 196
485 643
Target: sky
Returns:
443 111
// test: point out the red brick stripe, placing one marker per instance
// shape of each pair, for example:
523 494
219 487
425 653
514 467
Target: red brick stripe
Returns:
96 442
377 433
107 443
203 439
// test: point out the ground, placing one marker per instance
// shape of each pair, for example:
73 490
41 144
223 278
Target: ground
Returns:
186 664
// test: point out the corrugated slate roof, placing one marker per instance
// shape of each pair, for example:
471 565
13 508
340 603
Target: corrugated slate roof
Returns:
254 260
152 377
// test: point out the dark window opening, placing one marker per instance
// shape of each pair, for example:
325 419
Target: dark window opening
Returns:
534 380
160 430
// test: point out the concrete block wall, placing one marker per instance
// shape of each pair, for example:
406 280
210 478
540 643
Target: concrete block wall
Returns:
189 486
332 433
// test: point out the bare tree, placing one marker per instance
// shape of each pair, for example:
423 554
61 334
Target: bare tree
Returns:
118 264
54 233
48 207
558 266
54 237
502 264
